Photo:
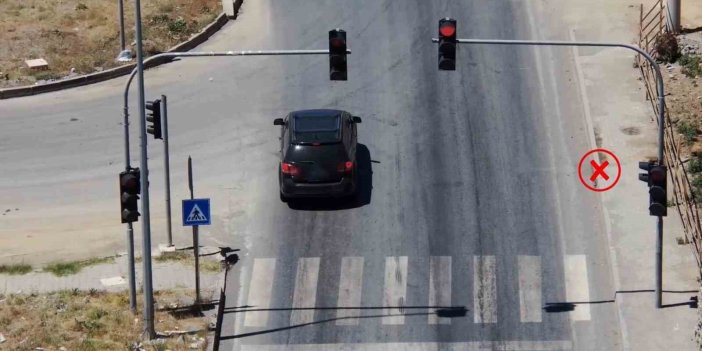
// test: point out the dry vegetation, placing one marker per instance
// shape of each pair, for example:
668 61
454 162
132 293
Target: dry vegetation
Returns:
91 320
84 34
684 102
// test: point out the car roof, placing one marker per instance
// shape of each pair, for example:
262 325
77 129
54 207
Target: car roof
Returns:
316 126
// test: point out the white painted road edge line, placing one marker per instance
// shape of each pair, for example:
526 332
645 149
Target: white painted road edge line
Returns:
484 289
529 288
577 286
422 346
350 287
439 287
395 291
260 291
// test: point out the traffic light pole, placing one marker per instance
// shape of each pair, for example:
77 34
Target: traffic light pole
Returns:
146 219
130 229
166 166
661 122
146 227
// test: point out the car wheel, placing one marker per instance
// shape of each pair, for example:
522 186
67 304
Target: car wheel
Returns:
283 198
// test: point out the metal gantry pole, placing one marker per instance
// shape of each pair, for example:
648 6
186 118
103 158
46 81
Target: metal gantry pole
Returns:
131 271
148 292
145 220
661 122
167 167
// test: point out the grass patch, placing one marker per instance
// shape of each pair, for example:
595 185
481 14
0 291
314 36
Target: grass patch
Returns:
688 131
186 257
173 256
15 269
695 165
691 65
62 269
78 320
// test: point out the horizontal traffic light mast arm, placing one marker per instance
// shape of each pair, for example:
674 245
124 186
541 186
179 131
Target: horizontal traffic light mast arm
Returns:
202 54
654 64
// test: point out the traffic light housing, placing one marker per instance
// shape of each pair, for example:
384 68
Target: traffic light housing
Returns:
656 177
447 44
337 54
154 116
129 190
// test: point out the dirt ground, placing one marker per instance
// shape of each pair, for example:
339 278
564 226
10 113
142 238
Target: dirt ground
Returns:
93 320
82 36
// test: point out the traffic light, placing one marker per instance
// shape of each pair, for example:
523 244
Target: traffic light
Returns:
337 54
154 116
129 190
447 44
657 180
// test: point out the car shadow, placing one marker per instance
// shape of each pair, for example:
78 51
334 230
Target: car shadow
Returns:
365 184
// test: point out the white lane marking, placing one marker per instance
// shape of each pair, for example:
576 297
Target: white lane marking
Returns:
557 345
577 287
350 287
260 291
484 289
305 294
395 291
529 288
439 287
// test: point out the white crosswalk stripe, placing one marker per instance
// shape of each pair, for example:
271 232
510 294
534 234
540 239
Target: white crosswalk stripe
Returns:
260 290
350 284
577 287
439 287
395 291
484 289
305 293
529 288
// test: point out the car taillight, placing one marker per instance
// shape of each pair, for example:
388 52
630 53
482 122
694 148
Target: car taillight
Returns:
345 167
289 168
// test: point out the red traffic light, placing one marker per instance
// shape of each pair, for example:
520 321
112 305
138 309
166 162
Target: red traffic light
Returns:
658 174
337 42
447 29
130 182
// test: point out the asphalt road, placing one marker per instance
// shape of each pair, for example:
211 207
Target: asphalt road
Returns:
471 203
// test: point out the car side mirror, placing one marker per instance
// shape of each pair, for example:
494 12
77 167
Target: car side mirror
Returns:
356 119
278 122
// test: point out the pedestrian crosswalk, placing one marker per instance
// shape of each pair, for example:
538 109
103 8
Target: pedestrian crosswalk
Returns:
441 274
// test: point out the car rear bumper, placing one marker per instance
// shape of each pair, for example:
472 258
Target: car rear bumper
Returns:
345 187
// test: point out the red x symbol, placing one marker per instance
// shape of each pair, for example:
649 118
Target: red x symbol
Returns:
599 170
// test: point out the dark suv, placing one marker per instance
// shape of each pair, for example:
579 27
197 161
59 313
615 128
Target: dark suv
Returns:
318 154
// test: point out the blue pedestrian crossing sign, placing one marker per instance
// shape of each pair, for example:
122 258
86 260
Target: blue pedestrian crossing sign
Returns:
196 212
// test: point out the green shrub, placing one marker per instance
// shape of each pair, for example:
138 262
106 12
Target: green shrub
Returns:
688 131
691 65
178 26
695 165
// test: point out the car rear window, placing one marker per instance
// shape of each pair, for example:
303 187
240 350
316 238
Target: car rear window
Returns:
318 154
316 129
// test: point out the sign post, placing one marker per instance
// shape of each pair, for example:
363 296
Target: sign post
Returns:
196 212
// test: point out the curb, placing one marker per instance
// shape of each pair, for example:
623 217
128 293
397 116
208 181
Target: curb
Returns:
187 45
